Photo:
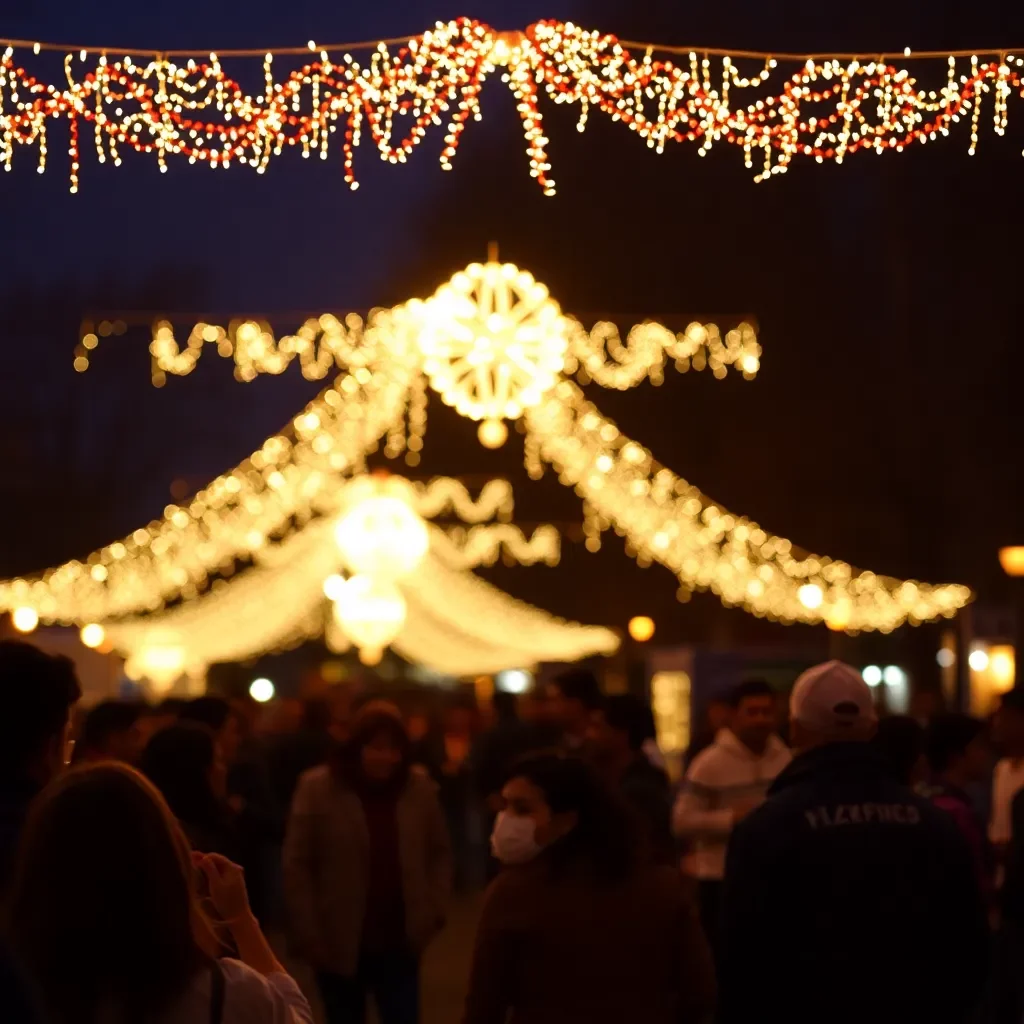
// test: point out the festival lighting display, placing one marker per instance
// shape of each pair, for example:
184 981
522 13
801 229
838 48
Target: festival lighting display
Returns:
776 108
380 399
434 612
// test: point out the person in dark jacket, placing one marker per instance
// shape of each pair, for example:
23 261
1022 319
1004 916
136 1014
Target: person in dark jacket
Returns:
579 926
368 870
39 692
494 752
16 1001
847 897
959 754
1008 983
617 736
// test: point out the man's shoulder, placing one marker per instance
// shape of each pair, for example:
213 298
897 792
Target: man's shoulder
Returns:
710 763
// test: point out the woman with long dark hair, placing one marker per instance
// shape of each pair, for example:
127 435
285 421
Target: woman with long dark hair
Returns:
107 924
367 871
580 925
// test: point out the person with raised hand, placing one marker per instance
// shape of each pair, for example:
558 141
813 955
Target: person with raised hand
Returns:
108 924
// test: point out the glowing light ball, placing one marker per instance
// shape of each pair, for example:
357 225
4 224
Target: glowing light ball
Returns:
333 586
641 628
1012 560
872 675
811 596
93 635
261 690
371 612
379 534
978 659
25 619
160 662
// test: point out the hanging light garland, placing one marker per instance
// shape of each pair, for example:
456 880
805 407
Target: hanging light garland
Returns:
498 363
181 106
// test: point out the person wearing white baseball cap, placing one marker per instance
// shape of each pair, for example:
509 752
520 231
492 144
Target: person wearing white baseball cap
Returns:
831 703
848 883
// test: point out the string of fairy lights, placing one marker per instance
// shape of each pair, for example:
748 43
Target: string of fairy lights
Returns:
184 107
493 344
667 520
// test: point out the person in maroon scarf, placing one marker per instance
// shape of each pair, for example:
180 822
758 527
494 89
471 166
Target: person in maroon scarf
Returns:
368 868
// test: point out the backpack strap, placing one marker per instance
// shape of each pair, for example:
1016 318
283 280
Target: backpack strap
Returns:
216 993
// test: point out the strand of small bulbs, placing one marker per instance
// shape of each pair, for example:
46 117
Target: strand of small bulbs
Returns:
825 110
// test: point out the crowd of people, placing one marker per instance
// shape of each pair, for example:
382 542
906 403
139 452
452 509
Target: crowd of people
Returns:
163 864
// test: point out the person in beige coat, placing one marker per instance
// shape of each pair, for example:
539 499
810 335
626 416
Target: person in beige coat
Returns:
367 871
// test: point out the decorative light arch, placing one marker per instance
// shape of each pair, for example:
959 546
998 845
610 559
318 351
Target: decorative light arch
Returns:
387 366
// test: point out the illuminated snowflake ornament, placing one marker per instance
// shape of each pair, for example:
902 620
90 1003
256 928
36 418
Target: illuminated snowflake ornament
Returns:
493 343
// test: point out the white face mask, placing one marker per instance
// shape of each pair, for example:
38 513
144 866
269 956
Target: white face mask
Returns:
514 839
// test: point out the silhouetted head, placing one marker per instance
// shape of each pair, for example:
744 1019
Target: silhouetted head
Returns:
111 732
39 691
103 906
185 764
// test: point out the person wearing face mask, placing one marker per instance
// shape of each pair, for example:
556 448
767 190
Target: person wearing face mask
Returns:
579 925
367 871
40 690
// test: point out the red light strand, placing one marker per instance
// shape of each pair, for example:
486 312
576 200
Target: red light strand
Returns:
827 109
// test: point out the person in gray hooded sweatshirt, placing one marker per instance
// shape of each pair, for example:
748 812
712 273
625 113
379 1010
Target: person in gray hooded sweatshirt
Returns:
723 785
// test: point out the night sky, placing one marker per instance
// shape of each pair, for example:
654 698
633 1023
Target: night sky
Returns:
884 427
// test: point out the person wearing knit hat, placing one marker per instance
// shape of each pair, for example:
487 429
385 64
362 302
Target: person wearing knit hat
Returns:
367 871
848 883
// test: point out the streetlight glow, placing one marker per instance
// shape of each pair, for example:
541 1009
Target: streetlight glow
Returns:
261 690
641 628
978 659
1012 560
872 675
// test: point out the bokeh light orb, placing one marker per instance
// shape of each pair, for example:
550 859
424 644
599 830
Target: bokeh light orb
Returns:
261 690
25 619
380 534
641 628
371 612
93 635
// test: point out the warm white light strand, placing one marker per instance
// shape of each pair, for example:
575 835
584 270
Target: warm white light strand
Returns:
668 520
502 327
